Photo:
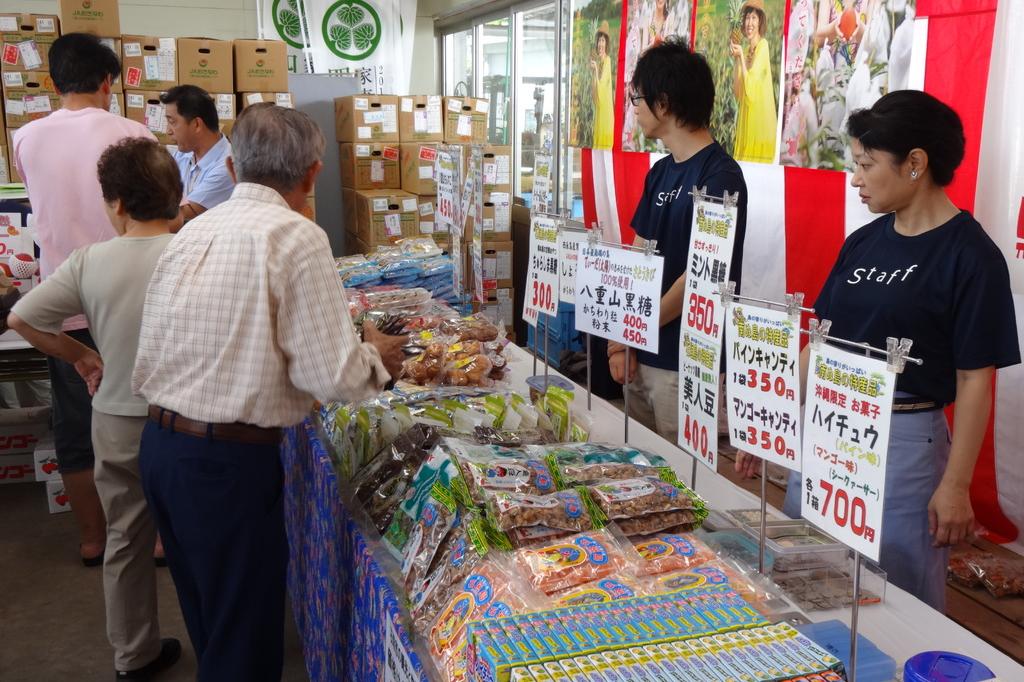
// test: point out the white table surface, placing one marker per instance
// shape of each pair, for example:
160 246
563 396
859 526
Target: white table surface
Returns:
10 340
902 626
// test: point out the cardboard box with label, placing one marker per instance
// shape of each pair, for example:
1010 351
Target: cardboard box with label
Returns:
206 63
149 63
421 118
465 120
366 118
99 17
261 66
146 108
117 104
496 166
380 216
426 219
45 460
418 168
21 429
5 167
115 46
497 264
28 95
499 305
281 99
12 169
497 213
369 166
26 41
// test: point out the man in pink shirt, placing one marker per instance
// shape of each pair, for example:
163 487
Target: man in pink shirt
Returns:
56 157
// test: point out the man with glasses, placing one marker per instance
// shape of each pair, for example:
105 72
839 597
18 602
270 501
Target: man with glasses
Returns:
674 94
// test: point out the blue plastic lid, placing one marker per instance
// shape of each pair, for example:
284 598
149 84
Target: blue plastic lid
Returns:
945 666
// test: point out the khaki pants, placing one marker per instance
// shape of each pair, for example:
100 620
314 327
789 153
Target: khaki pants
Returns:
654 400
129 574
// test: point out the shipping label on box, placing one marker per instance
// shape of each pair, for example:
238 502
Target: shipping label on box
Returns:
225 103
208 64
28 96
369 166
146 108
366 118
27 39
57 498
418 168
149 62
498 306
497 265
281 99
465 120
421 119
99 17
497 214
496 167
261 66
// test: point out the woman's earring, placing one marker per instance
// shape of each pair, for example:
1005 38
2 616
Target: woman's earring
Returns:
913 175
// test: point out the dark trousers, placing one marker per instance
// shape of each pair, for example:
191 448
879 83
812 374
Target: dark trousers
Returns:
218 506
72 411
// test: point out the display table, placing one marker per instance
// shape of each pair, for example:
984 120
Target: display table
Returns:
347 612
19 361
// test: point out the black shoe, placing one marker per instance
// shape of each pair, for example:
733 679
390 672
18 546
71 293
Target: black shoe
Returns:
170 652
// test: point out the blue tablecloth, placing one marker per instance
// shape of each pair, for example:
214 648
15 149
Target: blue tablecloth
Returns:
341 599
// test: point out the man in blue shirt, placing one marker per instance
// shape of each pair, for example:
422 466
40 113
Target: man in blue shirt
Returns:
202 150
674 94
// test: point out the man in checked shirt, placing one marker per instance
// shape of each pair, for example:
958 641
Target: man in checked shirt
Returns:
245 324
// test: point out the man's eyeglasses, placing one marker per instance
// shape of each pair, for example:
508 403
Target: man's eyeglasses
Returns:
635 99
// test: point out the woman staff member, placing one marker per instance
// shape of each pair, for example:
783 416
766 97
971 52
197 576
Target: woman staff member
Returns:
752 84
601 89
928 272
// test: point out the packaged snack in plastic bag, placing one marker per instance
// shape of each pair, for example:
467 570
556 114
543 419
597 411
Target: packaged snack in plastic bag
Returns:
629 498
961 568
567 510
572 561
601 591
680 521
436 468
468 370
530 536
589 462
476 327
381 485
718 572
665 552
458 555
437 517
490 591
1001 576
491 467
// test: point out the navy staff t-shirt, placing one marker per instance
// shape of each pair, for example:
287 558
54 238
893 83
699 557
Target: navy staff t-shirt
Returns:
665 213
947 290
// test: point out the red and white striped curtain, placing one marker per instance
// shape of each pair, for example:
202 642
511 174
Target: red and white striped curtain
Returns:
962 55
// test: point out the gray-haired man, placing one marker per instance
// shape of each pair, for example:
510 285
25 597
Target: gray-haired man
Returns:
245 324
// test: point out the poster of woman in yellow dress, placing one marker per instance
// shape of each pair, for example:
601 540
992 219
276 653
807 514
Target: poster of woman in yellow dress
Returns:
742 41
648 24
757 118
595 61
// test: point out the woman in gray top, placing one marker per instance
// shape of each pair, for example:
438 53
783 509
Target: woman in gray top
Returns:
107 283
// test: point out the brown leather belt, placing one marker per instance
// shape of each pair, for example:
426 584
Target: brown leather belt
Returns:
238 432
921 406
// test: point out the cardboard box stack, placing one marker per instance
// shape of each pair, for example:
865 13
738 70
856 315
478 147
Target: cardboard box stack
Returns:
379 216
261 74
465 120
28 92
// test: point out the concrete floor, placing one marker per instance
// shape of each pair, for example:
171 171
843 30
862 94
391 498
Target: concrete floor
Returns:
51 607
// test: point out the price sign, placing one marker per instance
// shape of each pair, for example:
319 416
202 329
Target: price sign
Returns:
474 190
763 373
447 173
618 295
712 234
541 198
398 667
846 443
542 275
569 244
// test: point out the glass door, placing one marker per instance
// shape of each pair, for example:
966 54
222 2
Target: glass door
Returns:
496 68
458 64
534 91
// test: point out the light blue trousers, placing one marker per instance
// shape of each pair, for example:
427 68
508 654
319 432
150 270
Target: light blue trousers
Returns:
918 452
